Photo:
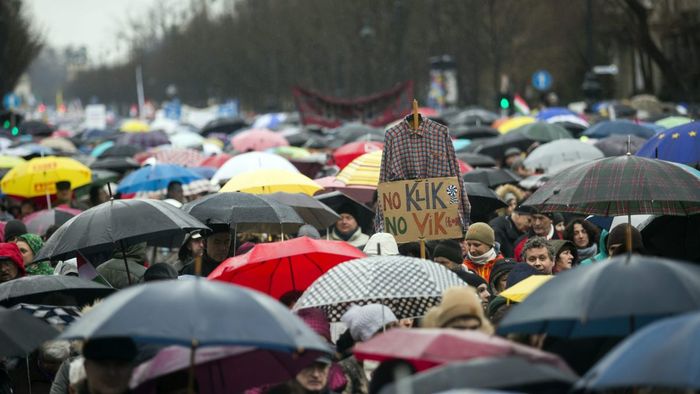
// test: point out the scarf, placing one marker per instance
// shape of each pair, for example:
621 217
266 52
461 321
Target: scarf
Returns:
345 236
587 253
484 258
41 268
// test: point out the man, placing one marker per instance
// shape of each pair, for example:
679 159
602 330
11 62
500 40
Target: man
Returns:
114 270
216 250
11 263
542 226
346 228
64 196
507 229
510 156
481 251
538 254
108 365
314 378
175 192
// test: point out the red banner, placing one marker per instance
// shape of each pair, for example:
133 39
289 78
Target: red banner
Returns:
376 110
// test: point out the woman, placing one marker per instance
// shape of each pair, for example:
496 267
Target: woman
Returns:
29 245
584 235
565 255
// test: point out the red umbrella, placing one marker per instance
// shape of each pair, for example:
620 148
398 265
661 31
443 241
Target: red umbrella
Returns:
427 348
280 267
348 152
257 140
464 167
215 161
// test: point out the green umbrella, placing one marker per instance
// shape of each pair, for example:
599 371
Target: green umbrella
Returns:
672 121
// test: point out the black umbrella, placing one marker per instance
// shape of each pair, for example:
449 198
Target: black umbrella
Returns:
336 200
245 212
506 373
491 177
472 132
313 211
120 151
35 127
355 132
617 145
522 138
476 160
673 237
52 290
224 125
482 199
473 116
20 333
120 164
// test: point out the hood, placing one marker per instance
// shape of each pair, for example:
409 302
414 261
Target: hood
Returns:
136 252
382 244
500 268
11 252
558 245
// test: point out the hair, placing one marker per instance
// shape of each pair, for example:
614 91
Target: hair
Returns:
172 185
536 243
590 228
56 350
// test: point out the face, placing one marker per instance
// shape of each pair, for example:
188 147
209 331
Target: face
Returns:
560 227
539 259
63 196
27 254
541 225
501 284
217 246
521 222
483 292
564 260
581 239
196 246
346 223
477 248
8 271
313 377
107 377
176 193
465 323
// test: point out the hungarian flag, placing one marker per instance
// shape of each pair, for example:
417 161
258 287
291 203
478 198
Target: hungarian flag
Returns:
520 104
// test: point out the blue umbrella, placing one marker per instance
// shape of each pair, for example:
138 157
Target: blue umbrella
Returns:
156 177
205 172
611 127
680 144
664 354
101 148
461 144
559 115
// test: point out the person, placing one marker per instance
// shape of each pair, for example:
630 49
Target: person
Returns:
346 228
538 254
520 272
542 226
11 262
565 255
114 270
510 156
108 365
518 167
559 222
192 246
175 192
584 235
602 249
460 309
388 372
481 250
448 253
98 195
512 195
381 244
26 208
160 271
64 196
499 275
478 283
29 245
308 230
412 249
313 379
216 250
507 229
13 229
617 240
318 321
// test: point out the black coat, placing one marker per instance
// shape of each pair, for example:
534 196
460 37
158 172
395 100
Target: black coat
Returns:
506 234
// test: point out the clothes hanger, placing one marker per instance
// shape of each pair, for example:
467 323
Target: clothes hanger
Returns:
415 119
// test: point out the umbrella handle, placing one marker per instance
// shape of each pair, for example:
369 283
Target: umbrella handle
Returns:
126 263
190 375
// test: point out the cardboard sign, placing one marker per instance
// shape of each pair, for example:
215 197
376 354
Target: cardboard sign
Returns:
421 209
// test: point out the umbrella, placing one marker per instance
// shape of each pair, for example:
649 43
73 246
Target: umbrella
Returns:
134 126
38 222
268 181
482 199
56 316
620 185
38 176
336 199
364 170
146 140
280 267
611 299
673 121
311 210
349 152
20 333
476 160
407 285
522 138
426 348
156 177
473 116
618 145
249 162
257 140
471 132
245 212
513 123
557 152
607 128
186 139
561 115
522 289
351 132
680 144
10 162
460 145
362 193
224 125
119 222
120 151
291 152
673 237
663 354
507 373
204 172
52 289
59 144
491 177
119 164
93 135
269 121
35 127
215 161
181 157
101 148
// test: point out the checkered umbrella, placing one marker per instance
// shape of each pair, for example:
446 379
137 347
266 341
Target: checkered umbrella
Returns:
621 185
407 285
57 316
182 157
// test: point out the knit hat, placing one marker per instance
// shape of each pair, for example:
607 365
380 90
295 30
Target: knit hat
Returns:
112 349
471 279
160 271
512 152
618 235
381 244
34 241
348 209
14 228
318 321
365 321
500 267
461 302
559 244
520 272
308 230
450 250
481 232
10 251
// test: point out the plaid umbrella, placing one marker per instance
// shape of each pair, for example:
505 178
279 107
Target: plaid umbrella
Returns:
621 185
407 285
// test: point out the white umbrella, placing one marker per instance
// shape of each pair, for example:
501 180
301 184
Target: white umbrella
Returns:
186 139
249 162
561 151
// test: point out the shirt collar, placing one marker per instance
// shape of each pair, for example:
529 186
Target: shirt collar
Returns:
409 126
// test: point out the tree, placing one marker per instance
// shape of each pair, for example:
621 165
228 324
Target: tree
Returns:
19 44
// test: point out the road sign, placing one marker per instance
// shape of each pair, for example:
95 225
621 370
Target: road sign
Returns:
11 101
229 109
610 69
542 80
173 109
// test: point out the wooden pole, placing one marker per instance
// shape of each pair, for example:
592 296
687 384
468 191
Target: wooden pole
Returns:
415 114
422 248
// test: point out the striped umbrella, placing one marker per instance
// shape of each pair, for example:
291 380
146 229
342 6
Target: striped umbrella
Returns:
364 170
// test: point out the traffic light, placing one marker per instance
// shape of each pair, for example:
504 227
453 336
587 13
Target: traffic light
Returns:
15 131
6 124
505 103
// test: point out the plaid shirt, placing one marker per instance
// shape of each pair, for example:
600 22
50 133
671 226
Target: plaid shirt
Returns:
424 153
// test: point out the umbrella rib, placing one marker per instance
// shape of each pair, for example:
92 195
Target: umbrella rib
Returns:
272 275
291 272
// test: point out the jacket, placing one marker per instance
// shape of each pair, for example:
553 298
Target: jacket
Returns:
602 247
520 243
358 239
506 234
483 270
114 270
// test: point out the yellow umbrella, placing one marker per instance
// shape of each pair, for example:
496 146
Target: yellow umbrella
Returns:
59 143
38 176
266 181
514 123
10 161
134 126
522 289
364 170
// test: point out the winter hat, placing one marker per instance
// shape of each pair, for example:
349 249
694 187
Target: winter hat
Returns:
34 241
450 250
557 217
114 348
481 232
381 244
618 235
10 251
365 321
318 321
308 230
500 267
558 246
471 279
348 209
520 272
461 302
160 271
14 228
512 152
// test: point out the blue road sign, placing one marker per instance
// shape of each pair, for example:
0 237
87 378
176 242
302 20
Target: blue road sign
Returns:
542 80
173 109
11 101
229 109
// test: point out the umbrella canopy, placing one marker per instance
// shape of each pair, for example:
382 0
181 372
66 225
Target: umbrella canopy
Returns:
223 125
491 177
521 138
51 289
476 160
271 181
352 132
134 126
611 299
474 116
181 157
311 210
257 140
680 144
407 285
663 354
607 128
620 186
147 140
557 152
482 199
35 127
522 289
364 170
20 333
280 267
56 316
471 132
215 161
9 162
673 121
118 164
245 212
426 348
38 176
101 148
38 222
335 200
349 152
156 177
121 151
59 144
186 139
619 145
513 123
291 152
250 162
561 115
120 222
